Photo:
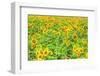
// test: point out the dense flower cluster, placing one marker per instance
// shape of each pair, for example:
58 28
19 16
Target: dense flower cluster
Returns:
57 37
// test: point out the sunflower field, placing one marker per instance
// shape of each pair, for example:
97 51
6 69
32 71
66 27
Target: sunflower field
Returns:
57 37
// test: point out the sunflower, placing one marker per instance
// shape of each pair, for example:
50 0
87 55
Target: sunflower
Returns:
39 56
81 50
34 42
48 25
33 45
78 50
66 29
75 49
75 36
46 52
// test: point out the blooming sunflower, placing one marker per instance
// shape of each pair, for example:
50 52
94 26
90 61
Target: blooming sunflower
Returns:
39 56
66 29
48 25
75 36
78 50
46 52
34 42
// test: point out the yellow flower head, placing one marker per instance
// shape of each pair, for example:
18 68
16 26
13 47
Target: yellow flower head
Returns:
75 36
33 45
48 25
39 54
66 29
46 52
81 50
34 42
77 50
39 57
42 53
